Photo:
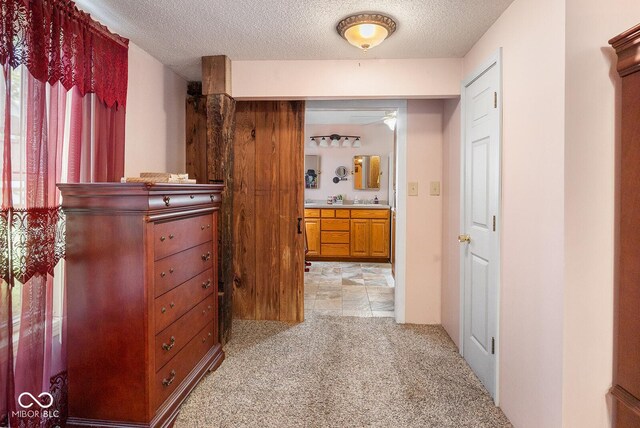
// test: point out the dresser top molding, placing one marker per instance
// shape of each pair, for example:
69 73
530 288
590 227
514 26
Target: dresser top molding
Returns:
134 198
627 46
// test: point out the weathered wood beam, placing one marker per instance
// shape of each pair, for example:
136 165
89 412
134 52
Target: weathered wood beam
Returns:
216 75
221 113
196 138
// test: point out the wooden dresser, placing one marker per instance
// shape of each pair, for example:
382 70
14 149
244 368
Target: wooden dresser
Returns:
626 384
343 233
141 270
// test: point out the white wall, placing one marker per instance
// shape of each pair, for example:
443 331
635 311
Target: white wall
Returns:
347 79
376 139
591 134
532 34
451 219
424 212
155 124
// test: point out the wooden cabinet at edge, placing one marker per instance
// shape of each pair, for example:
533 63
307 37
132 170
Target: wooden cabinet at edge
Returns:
142 308
312 229
626 382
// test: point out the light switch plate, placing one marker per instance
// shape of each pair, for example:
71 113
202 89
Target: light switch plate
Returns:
434 188
413 188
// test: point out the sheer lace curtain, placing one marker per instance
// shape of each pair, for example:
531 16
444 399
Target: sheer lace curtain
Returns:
62 105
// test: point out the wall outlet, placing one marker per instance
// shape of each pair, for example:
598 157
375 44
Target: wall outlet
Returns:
434 188
413 188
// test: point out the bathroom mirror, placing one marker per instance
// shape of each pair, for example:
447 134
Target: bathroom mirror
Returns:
366 172
311 171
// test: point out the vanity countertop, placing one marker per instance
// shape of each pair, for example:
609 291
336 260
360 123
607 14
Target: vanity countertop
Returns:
348 206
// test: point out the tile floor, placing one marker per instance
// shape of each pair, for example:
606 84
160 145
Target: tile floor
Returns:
349 289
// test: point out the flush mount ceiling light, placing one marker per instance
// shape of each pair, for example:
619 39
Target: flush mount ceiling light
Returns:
366 30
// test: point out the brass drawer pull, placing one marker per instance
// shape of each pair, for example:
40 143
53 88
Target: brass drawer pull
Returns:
171 236
172 305
170 270
202 227
207 284
208 226
204 339
206 257
213 198
168 347
209 307
162 274
162 239
169 381
163 310
167 200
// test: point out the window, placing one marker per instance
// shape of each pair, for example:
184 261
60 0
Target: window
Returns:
19 184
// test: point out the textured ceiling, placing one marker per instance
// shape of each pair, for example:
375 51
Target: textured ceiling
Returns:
178 33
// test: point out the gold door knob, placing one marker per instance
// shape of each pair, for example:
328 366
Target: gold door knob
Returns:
464 238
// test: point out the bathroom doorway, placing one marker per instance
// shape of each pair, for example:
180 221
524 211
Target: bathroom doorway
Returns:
351 199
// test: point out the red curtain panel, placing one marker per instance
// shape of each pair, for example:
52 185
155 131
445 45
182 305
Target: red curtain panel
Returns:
63 120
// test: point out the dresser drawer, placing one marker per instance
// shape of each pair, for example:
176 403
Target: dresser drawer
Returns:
182 200
175 236
334 237
335 224
176 269
179 367
334 249
172 339
177 302
342 213
382 213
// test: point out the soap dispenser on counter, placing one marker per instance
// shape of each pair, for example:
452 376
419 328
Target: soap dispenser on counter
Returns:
375 200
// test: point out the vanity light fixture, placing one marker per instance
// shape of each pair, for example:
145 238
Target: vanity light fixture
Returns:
335 140
313 143
366 30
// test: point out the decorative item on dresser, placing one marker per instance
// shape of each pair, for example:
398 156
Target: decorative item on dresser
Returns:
626 385
142 309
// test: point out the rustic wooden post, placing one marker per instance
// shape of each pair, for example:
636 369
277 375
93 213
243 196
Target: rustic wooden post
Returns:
210 126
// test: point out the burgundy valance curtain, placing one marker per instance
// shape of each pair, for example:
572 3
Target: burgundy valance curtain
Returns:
59 43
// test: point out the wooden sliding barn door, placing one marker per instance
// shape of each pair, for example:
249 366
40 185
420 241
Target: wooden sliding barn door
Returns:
268 210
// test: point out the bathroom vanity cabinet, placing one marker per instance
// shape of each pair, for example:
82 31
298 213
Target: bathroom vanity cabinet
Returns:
348 233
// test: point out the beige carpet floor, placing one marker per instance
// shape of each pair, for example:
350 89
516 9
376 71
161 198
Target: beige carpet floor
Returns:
340 372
